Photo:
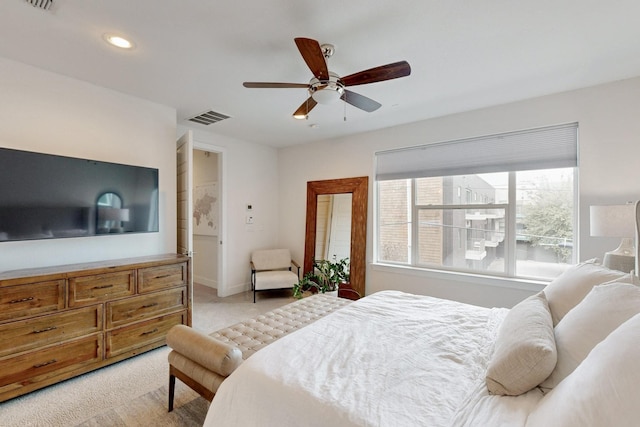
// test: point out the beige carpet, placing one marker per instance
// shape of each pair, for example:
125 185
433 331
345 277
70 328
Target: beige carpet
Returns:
134 392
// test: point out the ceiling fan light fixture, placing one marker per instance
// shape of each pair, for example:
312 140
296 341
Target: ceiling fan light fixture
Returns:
326 96
326 91
300 116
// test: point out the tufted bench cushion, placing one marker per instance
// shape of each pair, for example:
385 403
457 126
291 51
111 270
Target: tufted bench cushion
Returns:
253 334
203 362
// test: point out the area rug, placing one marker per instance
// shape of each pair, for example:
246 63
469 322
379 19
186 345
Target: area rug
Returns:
73 402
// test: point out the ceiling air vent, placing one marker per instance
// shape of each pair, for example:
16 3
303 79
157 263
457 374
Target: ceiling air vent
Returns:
42 4
208 118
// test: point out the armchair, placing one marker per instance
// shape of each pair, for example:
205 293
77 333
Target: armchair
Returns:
272 269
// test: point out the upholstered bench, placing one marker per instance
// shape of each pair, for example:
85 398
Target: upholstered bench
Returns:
203 361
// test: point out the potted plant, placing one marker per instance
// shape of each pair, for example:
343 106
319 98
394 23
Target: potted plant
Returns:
326 277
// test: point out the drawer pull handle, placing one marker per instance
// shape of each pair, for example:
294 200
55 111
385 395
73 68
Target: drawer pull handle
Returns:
103 287
50 328
49 362
16 301
150 332
153 304
163 276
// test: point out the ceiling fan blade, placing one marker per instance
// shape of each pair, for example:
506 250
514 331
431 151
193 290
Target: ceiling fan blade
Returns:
306 106
360 101
378 74
274 85
312 54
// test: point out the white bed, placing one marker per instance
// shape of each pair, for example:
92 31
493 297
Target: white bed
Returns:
396 359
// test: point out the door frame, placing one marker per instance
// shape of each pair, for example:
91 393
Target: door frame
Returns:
184 240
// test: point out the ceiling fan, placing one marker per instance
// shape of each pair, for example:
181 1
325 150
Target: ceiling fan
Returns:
326 86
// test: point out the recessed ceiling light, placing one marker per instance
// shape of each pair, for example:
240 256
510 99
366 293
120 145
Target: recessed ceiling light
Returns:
118 41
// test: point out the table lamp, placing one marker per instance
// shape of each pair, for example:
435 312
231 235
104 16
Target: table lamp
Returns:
111 219
616 221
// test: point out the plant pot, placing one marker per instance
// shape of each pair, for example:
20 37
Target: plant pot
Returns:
332 293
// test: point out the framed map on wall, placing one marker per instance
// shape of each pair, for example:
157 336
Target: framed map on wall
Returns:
205 209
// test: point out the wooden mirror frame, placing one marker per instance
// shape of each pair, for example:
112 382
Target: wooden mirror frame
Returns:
359 188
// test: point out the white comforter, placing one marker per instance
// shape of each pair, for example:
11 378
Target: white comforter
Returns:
390 359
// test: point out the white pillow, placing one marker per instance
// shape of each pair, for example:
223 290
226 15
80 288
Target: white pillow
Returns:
525 350
604 309
568 289
602 391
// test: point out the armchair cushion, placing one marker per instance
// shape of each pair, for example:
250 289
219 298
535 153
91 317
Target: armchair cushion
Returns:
278 279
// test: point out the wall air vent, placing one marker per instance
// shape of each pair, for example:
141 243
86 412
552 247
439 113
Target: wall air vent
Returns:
208 118
42 4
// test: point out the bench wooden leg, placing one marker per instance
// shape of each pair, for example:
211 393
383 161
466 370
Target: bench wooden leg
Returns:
172 389
199 388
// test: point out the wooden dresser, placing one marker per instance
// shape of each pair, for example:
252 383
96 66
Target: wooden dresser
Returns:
60 322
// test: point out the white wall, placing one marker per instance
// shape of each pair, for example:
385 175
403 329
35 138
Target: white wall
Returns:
249 176
609 151
45 112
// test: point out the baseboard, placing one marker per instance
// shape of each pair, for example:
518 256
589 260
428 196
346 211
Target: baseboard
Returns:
235 289
205 281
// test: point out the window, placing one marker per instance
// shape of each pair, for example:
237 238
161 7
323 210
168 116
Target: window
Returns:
511 213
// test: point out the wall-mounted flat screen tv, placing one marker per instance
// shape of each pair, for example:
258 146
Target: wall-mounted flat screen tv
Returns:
44 196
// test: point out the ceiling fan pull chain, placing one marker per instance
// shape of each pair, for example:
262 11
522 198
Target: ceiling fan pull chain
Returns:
345 107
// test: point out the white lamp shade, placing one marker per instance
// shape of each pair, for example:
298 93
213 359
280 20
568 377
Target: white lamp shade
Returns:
613 221
124 215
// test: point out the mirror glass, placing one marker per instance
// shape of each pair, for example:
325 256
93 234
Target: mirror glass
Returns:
333 226
111 214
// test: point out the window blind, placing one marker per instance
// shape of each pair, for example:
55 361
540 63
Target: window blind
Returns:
541 148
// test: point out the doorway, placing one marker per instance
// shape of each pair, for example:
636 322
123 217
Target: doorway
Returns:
207 183
206 217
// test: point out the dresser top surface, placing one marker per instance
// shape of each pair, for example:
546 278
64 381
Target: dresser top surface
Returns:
63 271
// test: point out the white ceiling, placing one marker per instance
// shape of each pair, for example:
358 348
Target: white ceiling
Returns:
193 55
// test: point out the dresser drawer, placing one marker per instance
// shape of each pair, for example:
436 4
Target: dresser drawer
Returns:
31 299
16 337
129 338
28 368
145 306
161 277
91 289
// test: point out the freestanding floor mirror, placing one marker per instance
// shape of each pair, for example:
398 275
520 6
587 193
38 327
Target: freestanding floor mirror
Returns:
358 189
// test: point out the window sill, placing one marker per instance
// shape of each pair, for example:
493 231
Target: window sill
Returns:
476 279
